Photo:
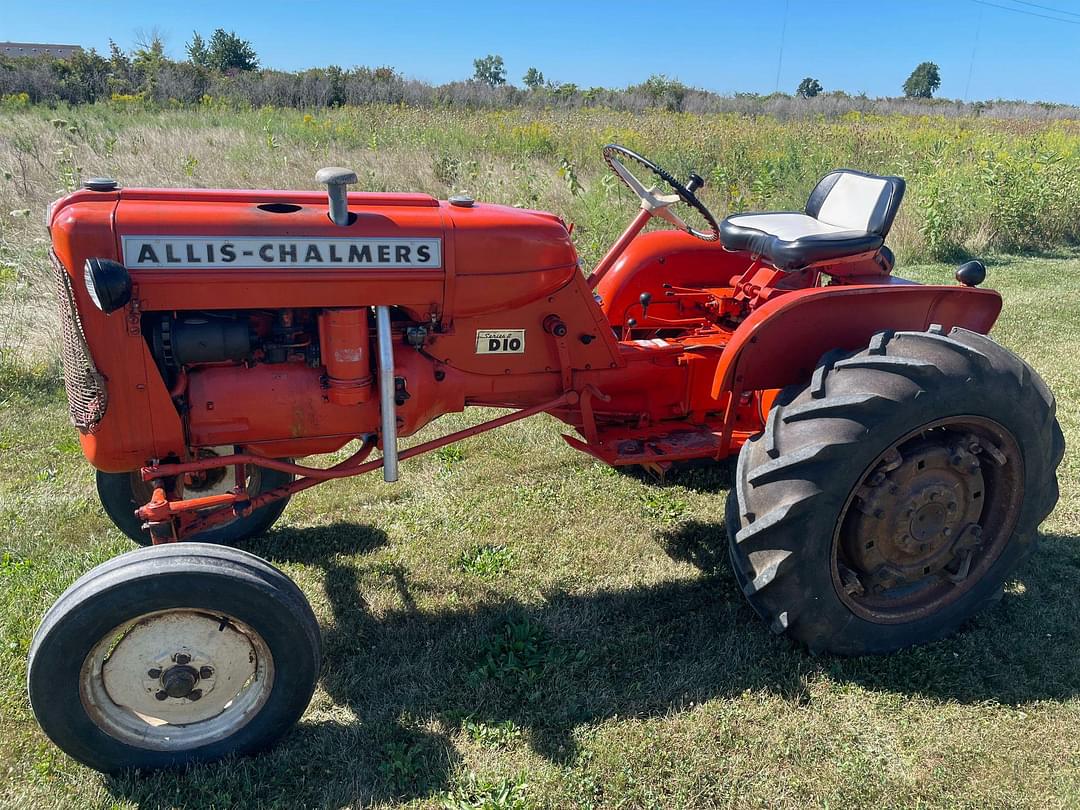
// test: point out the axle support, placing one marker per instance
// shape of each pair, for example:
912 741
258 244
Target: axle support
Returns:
188 517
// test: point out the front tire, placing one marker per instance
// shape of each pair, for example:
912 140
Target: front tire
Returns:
122 493
890 499
172 655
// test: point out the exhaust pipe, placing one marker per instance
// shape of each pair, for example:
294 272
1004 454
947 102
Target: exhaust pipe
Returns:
337 181
387 404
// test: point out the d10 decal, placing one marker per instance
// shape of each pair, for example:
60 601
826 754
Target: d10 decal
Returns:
500 341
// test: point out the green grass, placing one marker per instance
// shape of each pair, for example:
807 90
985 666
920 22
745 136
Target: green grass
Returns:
519 626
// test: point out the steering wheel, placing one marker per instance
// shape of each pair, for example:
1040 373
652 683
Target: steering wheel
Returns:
660 204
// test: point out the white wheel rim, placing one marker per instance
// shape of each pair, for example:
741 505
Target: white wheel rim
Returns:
176 679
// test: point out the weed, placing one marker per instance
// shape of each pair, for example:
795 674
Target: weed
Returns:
11 566
492 735
663 504
516 656
450 455
568 172
402 763
475 793
486 562
188 164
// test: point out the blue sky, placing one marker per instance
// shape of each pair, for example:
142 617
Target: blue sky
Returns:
867 46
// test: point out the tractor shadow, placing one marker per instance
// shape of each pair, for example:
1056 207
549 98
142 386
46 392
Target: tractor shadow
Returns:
704 476
404 689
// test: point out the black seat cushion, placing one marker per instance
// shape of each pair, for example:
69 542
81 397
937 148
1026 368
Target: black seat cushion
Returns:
778 238
848 213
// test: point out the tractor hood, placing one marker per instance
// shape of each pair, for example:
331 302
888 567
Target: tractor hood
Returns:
207 249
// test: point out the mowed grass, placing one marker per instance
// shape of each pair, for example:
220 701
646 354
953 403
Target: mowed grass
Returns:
517 624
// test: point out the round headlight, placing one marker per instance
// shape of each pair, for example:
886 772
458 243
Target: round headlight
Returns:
108 283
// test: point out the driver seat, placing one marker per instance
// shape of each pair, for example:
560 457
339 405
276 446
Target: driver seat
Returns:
848 213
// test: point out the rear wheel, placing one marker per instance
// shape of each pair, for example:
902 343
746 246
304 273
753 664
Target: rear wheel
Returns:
890 499
122 493
173 654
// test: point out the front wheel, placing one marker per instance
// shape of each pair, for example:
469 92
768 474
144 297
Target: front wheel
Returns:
172 655
122 493
890 499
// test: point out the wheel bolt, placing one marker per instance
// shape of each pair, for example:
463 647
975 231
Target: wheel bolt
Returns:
153 673
206 672
161 694
181 658
194 694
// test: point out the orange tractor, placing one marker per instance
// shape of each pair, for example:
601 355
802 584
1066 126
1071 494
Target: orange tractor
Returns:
894 463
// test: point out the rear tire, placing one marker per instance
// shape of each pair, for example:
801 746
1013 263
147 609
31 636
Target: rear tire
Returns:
122 493
172 655
858 523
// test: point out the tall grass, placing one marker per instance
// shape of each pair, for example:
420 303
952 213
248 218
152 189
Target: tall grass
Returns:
973 184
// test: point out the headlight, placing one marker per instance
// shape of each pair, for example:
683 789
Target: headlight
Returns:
108 284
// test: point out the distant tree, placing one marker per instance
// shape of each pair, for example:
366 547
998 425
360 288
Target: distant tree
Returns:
82 77
533 79
662 92
808 88
923 81
197 51
490 70
224 53
148 60
121 74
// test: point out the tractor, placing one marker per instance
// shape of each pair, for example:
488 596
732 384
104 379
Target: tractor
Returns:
893 462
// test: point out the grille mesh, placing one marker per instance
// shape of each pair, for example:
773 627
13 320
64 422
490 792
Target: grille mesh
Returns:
86 393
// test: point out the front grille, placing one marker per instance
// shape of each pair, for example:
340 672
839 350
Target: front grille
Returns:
86 393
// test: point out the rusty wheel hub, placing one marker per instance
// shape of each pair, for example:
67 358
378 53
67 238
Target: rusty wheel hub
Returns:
919 518
929 516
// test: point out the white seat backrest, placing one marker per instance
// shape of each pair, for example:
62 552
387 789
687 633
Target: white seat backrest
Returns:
855 202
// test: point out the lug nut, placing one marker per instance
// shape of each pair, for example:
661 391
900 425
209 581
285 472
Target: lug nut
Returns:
161 694
206 672
153 673
194 694
181 658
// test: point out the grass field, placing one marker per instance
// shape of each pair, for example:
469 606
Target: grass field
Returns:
514 625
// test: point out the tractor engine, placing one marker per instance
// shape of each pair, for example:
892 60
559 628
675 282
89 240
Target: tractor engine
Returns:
275 375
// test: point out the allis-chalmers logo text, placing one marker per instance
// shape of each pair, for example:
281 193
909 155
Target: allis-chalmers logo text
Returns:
248 251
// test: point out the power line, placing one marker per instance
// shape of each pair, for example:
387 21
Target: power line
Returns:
974 47
783 33
1047 8
1021 11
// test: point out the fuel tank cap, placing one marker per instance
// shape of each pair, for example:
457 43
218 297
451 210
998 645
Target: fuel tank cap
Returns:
100 184
462 201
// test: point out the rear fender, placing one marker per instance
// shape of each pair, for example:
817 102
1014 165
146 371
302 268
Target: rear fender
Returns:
781 342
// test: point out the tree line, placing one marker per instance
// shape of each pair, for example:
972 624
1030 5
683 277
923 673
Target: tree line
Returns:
225 68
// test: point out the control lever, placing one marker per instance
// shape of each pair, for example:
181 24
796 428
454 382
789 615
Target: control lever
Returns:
645 298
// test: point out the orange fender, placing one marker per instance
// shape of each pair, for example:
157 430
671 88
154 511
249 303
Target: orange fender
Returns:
781 342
